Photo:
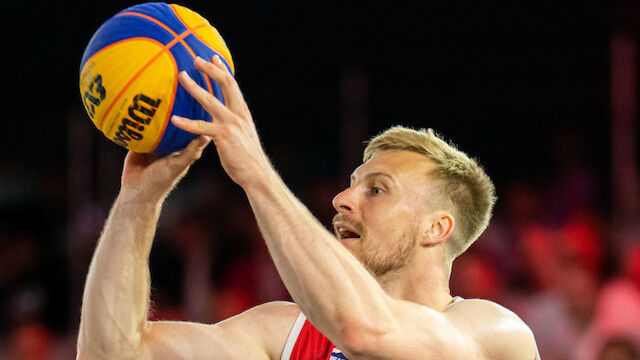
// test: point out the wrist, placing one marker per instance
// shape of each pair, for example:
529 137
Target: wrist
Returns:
129 196
266 184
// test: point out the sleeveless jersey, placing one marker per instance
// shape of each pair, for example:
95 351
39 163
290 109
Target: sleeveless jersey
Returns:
305 342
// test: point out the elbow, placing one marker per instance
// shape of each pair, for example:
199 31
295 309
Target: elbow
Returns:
89 348
87 353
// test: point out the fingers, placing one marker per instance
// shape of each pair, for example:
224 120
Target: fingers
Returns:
208 101
235 110
199 127
219 73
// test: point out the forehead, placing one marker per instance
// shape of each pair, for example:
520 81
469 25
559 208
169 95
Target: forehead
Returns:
397 164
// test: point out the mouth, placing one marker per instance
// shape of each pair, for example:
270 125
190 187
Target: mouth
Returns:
347 234
347 229
344 231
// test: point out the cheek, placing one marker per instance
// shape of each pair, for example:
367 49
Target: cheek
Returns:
384 235
389 220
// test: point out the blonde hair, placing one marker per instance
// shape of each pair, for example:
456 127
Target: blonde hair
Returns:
463 181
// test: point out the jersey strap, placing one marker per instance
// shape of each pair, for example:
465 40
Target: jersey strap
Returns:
305 342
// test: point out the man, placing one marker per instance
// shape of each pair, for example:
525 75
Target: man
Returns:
378 291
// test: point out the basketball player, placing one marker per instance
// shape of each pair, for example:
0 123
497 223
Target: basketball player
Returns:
376 289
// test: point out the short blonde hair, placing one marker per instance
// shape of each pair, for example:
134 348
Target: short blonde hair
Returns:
463 182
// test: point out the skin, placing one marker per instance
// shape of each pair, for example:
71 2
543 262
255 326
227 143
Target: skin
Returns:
387 309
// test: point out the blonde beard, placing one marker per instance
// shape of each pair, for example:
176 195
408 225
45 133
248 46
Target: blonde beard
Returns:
377 261
381 262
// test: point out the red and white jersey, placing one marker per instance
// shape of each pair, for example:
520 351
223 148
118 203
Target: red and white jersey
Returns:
305 342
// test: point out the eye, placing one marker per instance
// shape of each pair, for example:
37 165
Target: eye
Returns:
376 190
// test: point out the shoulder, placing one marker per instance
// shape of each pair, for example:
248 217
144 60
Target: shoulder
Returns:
275 310
273 317
484 308
497 331
267 324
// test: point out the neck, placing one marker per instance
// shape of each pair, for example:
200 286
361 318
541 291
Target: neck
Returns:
425 285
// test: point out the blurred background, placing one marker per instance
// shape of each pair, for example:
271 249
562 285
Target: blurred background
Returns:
544 93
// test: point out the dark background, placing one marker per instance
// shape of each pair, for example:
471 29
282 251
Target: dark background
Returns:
499 78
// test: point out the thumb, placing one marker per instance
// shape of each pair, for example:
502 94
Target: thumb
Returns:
193 151
197 145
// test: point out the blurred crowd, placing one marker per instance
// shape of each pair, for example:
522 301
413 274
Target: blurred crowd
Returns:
554 253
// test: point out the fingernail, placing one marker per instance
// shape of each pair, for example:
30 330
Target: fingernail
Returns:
184 74
199 58
177 119
217 59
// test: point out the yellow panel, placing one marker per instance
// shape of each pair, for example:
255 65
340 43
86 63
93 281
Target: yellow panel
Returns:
208 34
128 90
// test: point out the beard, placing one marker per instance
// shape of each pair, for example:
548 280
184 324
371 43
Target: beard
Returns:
376 259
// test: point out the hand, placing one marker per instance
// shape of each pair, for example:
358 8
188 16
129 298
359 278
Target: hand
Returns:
151 177
232 128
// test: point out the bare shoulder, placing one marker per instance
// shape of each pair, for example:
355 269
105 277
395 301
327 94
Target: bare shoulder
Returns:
271 312
498 331
269 324
258 333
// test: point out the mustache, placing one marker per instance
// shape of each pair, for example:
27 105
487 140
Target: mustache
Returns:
348 219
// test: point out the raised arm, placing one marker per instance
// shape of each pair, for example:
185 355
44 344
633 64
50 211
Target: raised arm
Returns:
332 288
116 296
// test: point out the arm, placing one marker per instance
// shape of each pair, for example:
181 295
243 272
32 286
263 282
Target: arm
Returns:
340 296
312 264
331 287
116 297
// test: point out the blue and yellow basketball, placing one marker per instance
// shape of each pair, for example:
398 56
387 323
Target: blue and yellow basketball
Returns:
129 75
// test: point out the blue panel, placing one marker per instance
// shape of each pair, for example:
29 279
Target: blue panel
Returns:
203 50
185 62
121 28
186 106
161 12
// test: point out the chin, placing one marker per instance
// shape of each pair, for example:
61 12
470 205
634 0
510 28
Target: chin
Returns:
349 242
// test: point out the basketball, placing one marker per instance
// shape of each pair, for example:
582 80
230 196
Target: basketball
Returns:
129 75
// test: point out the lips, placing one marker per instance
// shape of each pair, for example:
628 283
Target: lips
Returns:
346 228
345 233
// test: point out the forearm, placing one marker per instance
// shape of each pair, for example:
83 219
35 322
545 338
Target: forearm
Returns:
116 295
328 283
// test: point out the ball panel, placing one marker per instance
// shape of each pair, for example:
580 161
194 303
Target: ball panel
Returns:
205 51
206 34
120 28
137 81
185 105
146 107
159 11
108 72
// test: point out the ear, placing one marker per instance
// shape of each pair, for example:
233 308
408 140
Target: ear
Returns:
438 229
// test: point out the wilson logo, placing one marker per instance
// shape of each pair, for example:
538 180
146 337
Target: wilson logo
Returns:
140 114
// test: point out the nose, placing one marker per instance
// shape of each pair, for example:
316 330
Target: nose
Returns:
344 202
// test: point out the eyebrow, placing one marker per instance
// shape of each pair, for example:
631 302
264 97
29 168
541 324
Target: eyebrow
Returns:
370 175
